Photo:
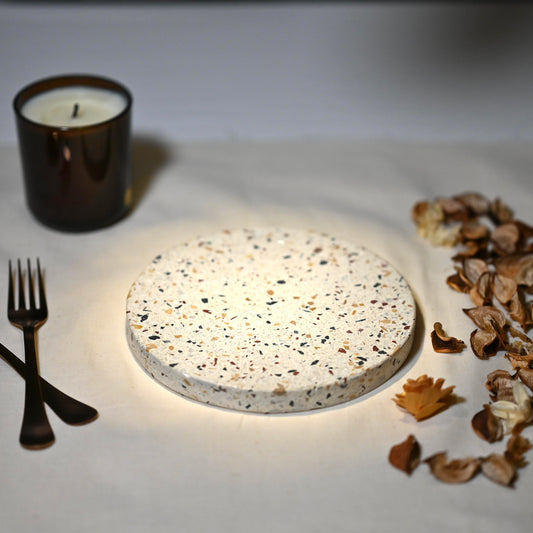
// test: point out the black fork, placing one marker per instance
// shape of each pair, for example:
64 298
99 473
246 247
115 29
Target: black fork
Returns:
36 431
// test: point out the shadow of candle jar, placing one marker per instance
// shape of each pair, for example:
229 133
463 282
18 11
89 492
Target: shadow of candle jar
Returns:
74 142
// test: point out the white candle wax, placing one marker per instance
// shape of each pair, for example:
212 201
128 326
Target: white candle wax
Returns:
75 106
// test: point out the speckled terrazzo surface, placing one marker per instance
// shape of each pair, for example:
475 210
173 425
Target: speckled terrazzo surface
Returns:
270 320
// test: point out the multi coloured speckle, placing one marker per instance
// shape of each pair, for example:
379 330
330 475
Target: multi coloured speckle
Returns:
270 320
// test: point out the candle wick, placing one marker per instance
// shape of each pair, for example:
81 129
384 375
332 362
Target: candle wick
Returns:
75 110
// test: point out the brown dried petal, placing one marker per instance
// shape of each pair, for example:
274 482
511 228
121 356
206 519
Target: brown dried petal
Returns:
526 344
519 310
458 283
520 361
487 426
473 268
504 288
484 343
526 377
517 446
481 292
406 455
500 212
526 231
516 266
500 385
498 469
483 316
419 210
475 202
472 249
454 471
473 230
442 343
506 239
453 209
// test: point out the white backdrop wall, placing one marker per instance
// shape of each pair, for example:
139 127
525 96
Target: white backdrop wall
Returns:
274 70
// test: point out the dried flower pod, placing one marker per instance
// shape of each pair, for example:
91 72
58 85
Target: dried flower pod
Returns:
503 288
487 426
516 266
525 343
500 212
442 343
484 343
424 397
500 385
474 230
506 239
498 469
430 221
473 268
484 316
517 446
453 209
519 360
481 292
526 377
472 249
475 202
406 455
526 231
519 310
454 471
514 413
458 283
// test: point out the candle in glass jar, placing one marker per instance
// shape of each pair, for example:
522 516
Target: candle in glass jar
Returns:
71 107
74 140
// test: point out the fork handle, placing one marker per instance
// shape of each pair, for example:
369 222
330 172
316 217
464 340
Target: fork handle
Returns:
68 409
36 431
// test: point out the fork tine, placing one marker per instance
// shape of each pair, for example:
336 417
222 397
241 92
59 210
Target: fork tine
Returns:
11 294
22 299
30 287
42 294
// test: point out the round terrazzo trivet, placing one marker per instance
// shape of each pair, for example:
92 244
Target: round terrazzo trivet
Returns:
270 320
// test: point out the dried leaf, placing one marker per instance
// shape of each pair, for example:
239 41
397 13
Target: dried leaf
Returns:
498 469
424 397
454 471
442 343
487 426
406 455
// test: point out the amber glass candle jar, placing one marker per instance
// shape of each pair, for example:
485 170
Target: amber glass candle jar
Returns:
74 142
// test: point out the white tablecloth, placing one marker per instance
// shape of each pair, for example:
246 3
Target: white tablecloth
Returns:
154 461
